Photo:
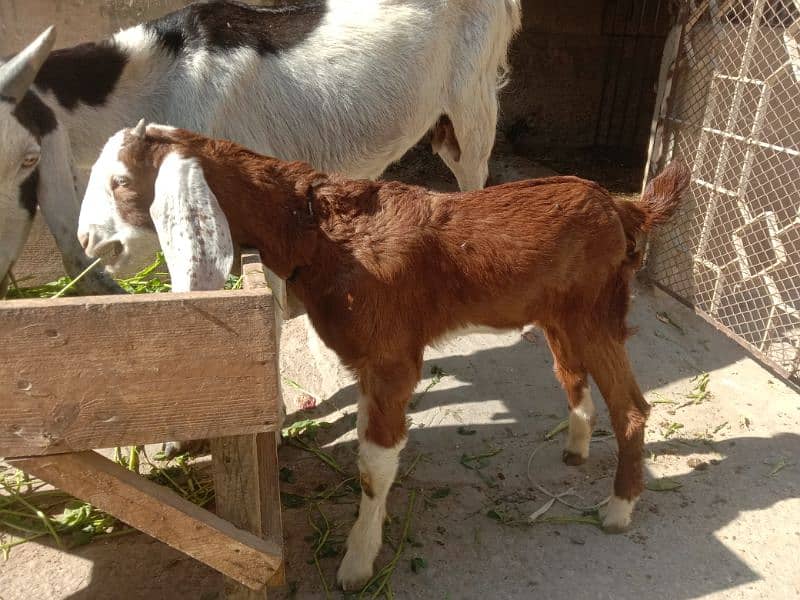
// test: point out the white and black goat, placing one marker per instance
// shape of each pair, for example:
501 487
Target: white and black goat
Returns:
346 85
385 269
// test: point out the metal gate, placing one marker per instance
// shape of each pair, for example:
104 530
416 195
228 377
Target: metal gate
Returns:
634 32
729 105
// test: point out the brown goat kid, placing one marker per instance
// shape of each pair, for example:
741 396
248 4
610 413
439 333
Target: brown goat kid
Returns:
384 269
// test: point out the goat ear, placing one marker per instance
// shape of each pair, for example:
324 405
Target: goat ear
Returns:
60 206
191 226
140 129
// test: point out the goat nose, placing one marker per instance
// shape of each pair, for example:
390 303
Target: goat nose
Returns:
84 240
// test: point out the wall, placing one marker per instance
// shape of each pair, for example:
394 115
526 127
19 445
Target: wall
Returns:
584 75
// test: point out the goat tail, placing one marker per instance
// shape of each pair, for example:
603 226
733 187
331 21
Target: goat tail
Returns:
659 200
512 24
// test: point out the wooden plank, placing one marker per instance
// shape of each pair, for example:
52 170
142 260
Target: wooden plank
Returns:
94 372
246 467
237 496
287 303
666 74
159 512
270 488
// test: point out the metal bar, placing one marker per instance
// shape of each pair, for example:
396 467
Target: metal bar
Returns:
740 138
613 103
606 70
714 187
737 78
627 98
749 155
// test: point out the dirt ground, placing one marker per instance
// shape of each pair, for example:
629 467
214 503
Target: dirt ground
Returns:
730 528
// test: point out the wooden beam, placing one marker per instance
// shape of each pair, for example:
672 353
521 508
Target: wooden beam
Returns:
270 487
159 512
95 372
267 443
288 306
246 466
237 496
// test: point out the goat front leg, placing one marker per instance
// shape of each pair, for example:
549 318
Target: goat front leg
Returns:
385 392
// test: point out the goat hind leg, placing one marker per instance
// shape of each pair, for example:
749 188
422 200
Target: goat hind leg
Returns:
464 136
570 371
609 366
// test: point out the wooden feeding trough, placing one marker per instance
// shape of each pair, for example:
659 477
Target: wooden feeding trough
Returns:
102 371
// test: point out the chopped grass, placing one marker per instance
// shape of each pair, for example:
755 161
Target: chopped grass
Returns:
562 425
153 279
665 318
778 466
476 462
382 581
668 429
663 484
302 434
436 377
593 519
700 391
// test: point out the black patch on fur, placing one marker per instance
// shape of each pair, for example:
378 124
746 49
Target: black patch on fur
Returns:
228 25
86 73
34 115
27 193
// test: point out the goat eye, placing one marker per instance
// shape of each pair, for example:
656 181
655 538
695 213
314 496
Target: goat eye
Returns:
120 181
30 161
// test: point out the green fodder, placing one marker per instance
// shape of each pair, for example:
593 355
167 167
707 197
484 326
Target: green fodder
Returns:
153 279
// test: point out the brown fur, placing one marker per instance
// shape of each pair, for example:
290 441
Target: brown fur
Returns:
385 268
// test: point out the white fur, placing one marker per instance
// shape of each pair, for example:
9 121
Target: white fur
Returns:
351 98
616 515
580 425
101 225
196 239
379 466
15 221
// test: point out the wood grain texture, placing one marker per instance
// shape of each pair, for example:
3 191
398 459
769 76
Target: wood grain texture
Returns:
161 513
238 496
93 372
287 302
267 448
270 488
246 467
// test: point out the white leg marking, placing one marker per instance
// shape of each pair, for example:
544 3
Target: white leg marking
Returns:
378 467
580 425
616 515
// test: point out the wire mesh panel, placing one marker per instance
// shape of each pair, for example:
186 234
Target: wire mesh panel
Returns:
731 110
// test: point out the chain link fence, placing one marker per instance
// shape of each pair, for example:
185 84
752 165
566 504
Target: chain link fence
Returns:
730 107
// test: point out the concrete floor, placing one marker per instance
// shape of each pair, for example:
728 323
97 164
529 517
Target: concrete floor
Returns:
731 530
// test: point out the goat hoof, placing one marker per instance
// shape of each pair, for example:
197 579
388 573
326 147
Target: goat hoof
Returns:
353 576
616 515
573 459
173 449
